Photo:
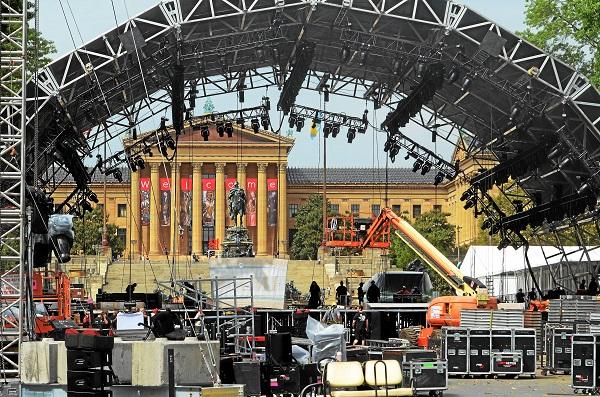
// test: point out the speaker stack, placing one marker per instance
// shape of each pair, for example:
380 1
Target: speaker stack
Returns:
89 360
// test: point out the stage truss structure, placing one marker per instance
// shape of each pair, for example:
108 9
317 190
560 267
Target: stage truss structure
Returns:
232 300
104 89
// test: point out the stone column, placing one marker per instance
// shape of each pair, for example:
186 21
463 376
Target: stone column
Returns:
134 216
154 210
220 202
241 178
282 231
197 209
261 222
175 203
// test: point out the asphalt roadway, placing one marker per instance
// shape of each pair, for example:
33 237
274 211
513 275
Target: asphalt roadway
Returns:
551 385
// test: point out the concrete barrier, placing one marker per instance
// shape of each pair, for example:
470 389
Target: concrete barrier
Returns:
38 362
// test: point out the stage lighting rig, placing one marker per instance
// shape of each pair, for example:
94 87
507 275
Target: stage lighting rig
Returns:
292 119
204 132
299 124
241 122
426 168
417 165
116 173
229 129
335 130
333 122
439 178
351 134
265 121
255 125
220 126
292 86
327 129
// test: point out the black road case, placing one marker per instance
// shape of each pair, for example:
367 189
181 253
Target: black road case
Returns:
425 375
456 346
507 363
525 343
480 345
502 340
585 363
558 349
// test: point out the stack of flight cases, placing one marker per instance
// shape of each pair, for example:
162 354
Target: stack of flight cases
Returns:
483 351
89 360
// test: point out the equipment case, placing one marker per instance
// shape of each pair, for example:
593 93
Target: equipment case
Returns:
558 349
480 345
456 346
507 363
425 375
585 363
525 343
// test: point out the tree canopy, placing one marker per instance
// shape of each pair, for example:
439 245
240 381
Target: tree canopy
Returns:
309 228
88 234
567 29
434 226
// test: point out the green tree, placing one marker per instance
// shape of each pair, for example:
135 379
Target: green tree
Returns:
434 227
88 234
309 225
567 29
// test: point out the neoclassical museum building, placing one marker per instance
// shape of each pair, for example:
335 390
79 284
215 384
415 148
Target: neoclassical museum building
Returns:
179 205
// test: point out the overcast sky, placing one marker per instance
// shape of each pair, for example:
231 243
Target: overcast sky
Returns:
95 17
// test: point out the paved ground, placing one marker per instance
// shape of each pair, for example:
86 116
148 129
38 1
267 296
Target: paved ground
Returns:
552 385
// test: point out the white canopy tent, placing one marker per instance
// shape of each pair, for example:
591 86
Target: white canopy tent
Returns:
505 271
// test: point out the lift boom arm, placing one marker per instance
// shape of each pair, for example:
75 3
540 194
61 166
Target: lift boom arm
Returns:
419 244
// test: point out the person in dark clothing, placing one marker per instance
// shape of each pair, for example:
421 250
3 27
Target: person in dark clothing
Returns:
581 288
532 295
163 323
593 287
373 293
360 323
129 290
315 295
520 296
341 293
361 293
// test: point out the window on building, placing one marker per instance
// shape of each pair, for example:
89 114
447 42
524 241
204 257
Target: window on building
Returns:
437 208
416 210
397 209
355 209
121 210
375 209
335 209
122 235
293 210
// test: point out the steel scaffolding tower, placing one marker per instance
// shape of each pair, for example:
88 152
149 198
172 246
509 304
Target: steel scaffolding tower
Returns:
13 44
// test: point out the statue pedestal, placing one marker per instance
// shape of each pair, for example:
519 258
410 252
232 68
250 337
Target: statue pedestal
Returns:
237 243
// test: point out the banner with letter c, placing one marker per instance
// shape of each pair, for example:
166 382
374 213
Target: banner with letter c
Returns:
208 201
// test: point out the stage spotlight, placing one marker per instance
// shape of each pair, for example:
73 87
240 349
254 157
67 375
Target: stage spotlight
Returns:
420 69
345 54
240 121
351 134
417 165
162 149
223 62
514 112
147 151
118 175
292 120
132 165
163 123
140 163
466 84
519 207
85 206
170 142
220 128
229 129
260 54
583 188
361 130
299 124
439 178
486 224
364 54
93 197
327 129
453 76
504 243
470 203
466 194
204 131
265 121
396 67
254 124
335 130
426 168
407 156
495 229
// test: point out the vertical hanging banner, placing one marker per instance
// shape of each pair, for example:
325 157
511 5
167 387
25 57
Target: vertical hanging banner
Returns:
229 183
165 201
208 201
185 212
144 201
272 201
251 184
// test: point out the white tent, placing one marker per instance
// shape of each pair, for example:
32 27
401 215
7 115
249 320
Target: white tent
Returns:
505 271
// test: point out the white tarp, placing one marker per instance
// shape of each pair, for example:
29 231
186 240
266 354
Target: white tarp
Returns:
268 279
129 321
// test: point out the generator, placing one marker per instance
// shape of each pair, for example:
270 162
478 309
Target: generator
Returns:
480 346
